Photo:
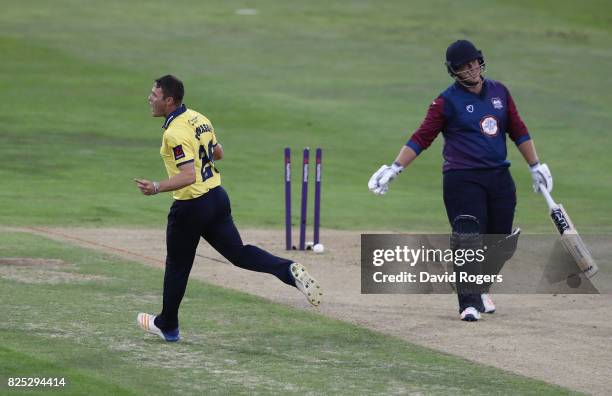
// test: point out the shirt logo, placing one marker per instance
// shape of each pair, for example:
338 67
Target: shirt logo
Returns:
178 152
497 103
469 108
488 126
193 121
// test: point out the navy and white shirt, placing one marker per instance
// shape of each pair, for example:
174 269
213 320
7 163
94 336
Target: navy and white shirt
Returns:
474 126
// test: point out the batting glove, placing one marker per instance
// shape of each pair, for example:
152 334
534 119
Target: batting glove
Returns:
379 182
541 175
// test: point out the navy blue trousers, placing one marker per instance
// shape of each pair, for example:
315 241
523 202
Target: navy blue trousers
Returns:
487 194
208 216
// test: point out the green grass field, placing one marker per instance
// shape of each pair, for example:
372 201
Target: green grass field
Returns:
232 342
354 78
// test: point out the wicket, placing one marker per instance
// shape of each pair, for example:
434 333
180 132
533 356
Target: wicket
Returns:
317 198
288 198
304 198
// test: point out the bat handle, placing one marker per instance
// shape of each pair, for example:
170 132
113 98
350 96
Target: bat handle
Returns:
549 200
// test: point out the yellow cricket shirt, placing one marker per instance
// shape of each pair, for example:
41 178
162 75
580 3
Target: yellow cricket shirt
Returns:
190 137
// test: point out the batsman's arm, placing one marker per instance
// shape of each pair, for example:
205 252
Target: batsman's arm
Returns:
426 133
184 178
421 139
517 131
405 156
528 151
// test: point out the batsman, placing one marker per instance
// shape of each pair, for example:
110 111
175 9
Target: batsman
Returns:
474 115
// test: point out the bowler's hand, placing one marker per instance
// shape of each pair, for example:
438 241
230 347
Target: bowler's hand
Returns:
147 187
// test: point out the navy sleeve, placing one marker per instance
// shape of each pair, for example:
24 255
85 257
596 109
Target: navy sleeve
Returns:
517 130
430 127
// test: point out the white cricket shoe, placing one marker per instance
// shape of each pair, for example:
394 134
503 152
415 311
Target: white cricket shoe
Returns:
487 302
470 314
306 284
147 323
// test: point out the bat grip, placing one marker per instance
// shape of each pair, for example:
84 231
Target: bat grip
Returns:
549 200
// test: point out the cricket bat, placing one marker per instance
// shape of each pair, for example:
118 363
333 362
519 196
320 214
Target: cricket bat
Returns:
569 236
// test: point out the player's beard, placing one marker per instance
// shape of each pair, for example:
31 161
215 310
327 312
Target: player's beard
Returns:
156 110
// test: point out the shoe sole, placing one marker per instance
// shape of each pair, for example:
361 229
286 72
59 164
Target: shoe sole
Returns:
307 284
145 321
473 316
490 304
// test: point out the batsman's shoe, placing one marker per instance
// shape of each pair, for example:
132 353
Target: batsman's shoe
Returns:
487 303
470 314
306 284
147 323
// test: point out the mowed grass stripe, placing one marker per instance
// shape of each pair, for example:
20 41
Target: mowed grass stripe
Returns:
355 79
83 327
14 363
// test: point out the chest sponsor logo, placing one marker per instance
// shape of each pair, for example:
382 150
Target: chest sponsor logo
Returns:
489 126
178 152
469 108
497 103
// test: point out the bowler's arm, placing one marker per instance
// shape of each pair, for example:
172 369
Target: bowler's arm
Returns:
184 178
218 152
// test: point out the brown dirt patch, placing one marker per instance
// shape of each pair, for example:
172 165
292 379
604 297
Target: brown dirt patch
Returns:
31 262
41 271
562 339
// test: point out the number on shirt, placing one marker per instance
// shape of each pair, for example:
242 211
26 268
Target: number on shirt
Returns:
208 161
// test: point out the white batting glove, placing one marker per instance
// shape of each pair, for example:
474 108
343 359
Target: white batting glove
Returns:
379 182
541 175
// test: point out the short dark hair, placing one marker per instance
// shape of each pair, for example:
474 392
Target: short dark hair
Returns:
171 87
